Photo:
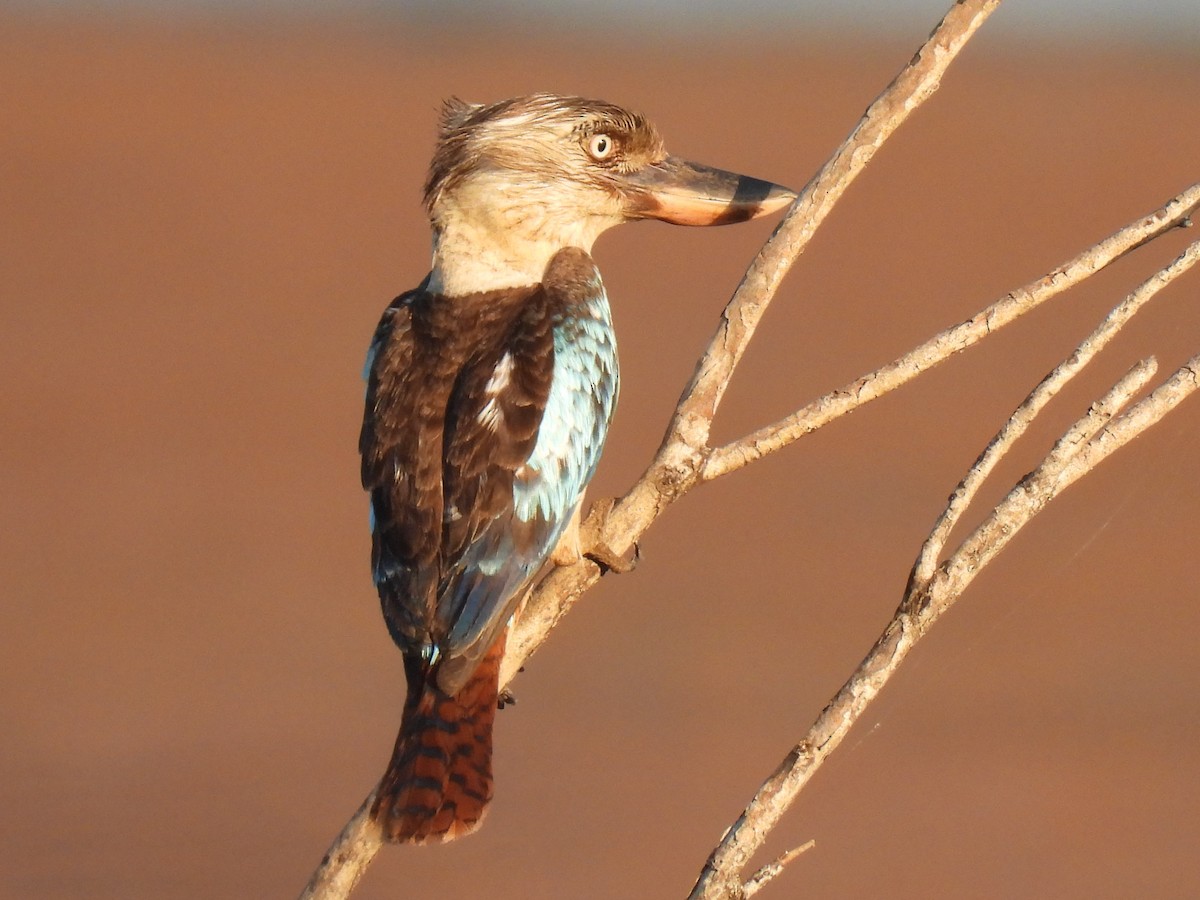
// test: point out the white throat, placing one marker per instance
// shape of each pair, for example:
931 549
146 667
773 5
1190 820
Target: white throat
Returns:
482 245
468 260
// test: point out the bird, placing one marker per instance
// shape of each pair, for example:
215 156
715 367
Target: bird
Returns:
489 392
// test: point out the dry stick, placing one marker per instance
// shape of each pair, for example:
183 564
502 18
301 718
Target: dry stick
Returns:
353 850
927 601
721 874
772 870
1091 439
1025 414
347 858
1142 415
937 349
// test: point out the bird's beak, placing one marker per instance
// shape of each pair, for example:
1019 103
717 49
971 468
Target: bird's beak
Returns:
686 193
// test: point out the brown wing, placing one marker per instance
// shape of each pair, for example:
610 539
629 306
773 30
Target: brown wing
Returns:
399 470
455 393
533 434
490 552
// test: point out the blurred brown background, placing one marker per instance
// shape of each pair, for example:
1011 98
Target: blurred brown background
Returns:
200 222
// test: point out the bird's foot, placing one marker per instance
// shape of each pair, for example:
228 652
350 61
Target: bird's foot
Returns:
598 550
506 698
610 561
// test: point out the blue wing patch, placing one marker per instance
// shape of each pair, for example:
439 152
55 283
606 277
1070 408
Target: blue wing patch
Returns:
498 566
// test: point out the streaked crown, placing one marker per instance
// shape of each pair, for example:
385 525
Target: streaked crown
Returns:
540 141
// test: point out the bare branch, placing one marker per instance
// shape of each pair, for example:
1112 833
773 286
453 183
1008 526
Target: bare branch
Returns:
1025 414
348 857
915 84
550 601
1027 498
771 870
954 340
1142 415
721 876
1084 445
355 847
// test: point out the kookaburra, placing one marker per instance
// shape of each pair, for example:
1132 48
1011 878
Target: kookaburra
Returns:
490 388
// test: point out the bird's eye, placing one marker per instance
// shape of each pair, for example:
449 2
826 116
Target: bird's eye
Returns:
601 146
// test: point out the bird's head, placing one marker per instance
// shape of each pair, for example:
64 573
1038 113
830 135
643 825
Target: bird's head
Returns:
514 182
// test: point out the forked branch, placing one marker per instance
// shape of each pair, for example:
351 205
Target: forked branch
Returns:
933 589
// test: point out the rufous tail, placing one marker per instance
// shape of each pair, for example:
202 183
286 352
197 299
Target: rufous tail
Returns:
439 782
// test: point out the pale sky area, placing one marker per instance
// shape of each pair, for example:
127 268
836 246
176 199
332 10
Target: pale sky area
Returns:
1178 20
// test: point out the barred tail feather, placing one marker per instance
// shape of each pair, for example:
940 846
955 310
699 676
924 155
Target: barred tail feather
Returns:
439 782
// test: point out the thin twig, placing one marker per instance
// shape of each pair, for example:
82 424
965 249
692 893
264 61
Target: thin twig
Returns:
915 84
771 870
348 857
1049 387
1027 498
1084 445
941 347
617 528
355 847
1124 428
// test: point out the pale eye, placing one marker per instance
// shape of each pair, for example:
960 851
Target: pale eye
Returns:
601 146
